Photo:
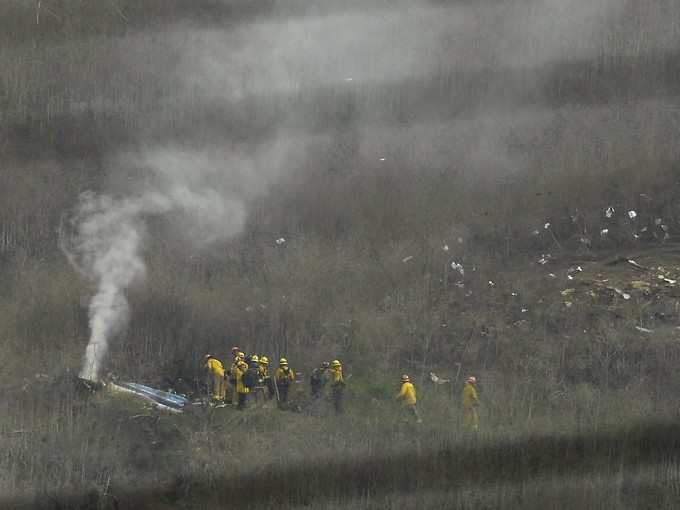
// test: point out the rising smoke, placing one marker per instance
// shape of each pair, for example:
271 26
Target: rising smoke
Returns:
270 64
108 235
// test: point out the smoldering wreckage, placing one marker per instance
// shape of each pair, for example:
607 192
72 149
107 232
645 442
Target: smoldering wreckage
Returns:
604 284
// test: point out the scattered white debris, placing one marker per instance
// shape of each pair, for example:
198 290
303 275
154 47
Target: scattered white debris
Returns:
552 275
445 247
667 280
635 264
382 159
624 295
568 304
280 241
348 79
491 284
609 213
544 259
536 233
438 380
636 236
569 277
524 310
458 267
604 232
546 226
514 294
644 330
632 214
406 259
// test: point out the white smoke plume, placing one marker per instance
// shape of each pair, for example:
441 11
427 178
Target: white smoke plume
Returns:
107 242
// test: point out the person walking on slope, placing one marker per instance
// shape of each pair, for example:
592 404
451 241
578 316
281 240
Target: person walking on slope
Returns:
470 403
285 377
239 372
337 386
318 379
407 396
215 378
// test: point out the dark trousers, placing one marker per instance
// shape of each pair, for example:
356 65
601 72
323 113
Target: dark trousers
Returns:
338 400
283 392
242 400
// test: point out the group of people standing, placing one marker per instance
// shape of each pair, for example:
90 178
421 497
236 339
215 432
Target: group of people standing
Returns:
248 376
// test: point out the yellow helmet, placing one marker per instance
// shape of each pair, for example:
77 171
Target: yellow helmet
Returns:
254 358
264 360
335 363
283 361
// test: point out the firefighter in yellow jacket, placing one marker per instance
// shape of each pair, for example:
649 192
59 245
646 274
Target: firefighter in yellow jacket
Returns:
285 377
407 397
470 403
337 385
215 378
239 370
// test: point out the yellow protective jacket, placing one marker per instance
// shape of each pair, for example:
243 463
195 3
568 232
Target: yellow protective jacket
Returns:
281 375
337 381
239 371
214 366
470 397
407 395
264 371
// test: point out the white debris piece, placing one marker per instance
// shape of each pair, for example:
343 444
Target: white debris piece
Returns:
458 267
280 241
546 226
438 380
348 79
382 159
609 213
536 233
667 280
525 310
544 259
604 232
552 275
624 295
632 214
445 247
406 259
514 294
644 330
491 284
